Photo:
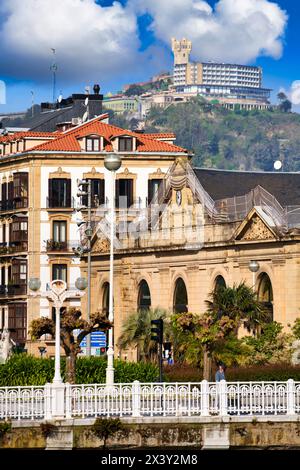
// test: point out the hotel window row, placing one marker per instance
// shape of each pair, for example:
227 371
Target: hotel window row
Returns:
60 192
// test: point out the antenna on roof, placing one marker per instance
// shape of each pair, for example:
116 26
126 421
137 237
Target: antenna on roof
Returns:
32 102
53 69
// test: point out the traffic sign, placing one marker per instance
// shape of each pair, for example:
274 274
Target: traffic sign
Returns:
98 340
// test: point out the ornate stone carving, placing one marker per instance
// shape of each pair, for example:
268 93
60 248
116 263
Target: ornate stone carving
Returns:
101 246
256 230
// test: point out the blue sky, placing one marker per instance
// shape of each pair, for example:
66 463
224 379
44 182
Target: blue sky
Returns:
113 43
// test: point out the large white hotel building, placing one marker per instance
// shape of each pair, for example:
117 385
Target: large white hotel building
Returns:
240 83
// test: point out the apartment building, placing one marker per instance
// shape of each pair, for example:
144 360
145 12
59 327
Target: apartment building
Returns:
38 217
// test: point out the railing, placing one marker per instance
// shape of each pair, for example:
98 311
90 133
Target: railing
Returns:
152 399
14 247
54 246
13 204
66 203
22 403
13 289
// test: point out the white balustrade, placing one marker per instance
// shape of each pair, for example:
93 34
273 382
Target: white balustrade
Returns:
151 399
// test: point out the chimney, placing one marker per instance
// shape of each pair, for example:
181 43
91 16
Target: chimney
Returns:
96 89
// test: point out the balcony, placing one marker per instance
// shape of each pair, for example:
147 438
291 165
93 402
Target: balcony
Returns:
13 247
63 204
13 290
14 204
53 246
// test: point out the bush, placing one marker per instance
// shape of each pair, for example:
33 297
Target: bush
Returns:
274 372
269 372
22 369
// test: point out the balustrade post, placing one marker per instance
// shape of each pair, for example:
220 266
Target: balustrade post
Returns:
58 400
68 402
291 405
223 401
204 398
136 399
48 401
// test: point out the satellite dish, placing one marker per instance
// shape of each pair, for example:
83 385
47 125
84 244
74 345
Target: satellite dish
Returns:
277 165
86 101
85 116
60 98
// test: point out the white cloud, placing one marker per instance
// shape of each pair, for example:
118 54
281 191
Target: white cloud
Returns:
90 40
294 93
235 30
97 43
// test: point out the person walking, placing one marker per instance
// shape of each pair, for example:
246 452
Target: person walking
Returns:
220 374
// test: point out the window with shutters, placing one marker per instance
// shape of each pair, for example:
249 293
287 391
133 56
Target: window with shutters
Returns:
92 144
17 322
153 187
18 279
59 271
19 230
20 190
59 230
125 144
124 192
59 192
3 196
97 192
10 196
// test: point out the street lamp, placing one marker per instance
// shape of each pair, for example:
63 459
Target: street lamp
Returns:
253 267
58 293
86 190
112 163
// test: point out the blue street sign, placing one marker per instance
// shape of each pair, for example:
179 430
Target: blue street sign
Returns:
98 340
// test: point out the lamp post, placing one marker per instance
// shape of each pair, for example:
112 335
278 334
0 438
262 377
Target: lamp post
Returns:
86 190
58 293
253 267
112 162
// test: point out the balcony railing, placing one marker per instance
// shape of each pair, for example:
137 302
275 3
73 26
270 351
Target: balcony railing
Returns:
67 203
14 204
15 247
54 246
13 290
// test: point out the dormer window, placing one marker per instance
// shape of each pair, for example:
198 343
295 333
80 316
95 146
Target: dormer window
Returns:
92 144
125 144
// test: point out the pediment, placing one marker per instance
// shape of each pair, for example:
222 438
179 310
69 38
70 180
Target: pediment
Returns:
256 226
101 245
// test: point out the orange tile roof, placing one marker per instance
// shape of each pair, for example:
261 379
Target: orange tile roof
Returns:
22 134
161 135
68 140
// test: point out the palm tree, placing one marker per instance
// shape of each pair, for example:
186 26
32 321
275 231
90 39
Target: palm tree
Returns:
136 332
240 304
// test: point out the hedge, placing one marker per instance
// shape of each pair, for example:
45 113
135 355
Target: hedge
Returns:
22 369
268 372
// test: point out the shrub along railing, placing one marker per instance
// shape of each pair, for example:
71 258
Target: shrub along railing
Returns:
151 399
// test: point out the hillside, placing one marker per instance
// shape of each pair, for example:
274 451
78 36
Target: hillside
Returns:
244 140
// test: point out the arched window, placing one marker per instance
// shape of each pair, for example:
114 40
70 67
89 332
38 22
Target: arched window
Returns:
219 282
265 293
144 297
105 298
180 303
